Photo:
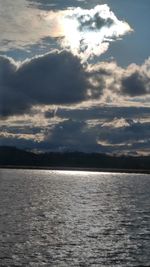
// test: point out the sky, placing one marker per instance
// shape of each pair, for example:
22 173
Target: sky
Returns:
75 75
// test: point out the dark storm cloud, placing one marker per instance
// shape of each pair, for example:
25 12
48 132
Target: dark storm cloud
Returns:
131 133
71 135
114 136
9 99
55 78
78 135
102 129
60 78
132 81
99 129
18 142
136 84
133 137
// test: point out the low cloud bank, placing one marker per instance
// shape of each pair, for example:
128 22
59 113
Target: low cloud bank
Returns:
59 78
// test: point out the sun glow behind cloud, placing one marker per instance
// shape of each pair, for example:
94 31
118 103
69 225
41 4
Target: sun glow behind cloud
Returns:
87 33
84 32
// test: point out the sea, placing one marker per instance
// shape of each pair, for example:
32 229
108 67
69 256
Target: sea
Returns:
74 218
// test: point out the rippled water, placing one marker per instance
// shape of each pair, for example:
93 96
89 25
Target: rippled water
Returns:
60 218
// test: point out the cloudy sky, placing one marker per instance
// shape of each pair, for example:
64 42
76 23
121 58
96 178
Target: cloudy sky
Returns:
75 75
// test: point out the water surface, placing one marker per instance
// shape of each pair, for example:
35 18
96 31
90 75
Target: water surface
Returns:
63 218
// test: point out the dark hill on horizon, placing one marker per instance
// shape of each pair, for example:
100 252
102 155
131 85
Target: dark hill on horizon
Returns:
14 157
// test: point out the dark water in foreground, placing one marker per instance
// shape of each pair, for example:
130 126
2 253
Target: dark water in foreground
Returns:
60 218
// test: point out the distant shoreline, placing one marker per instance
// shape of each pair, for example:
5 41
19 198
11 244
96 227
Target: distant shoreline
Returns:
136 171
14 158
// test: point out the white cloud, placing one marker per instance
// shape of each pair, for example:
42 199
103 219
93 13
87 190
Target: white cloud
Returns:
22 25
85 32
117 123
88 33
34 137
122 86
